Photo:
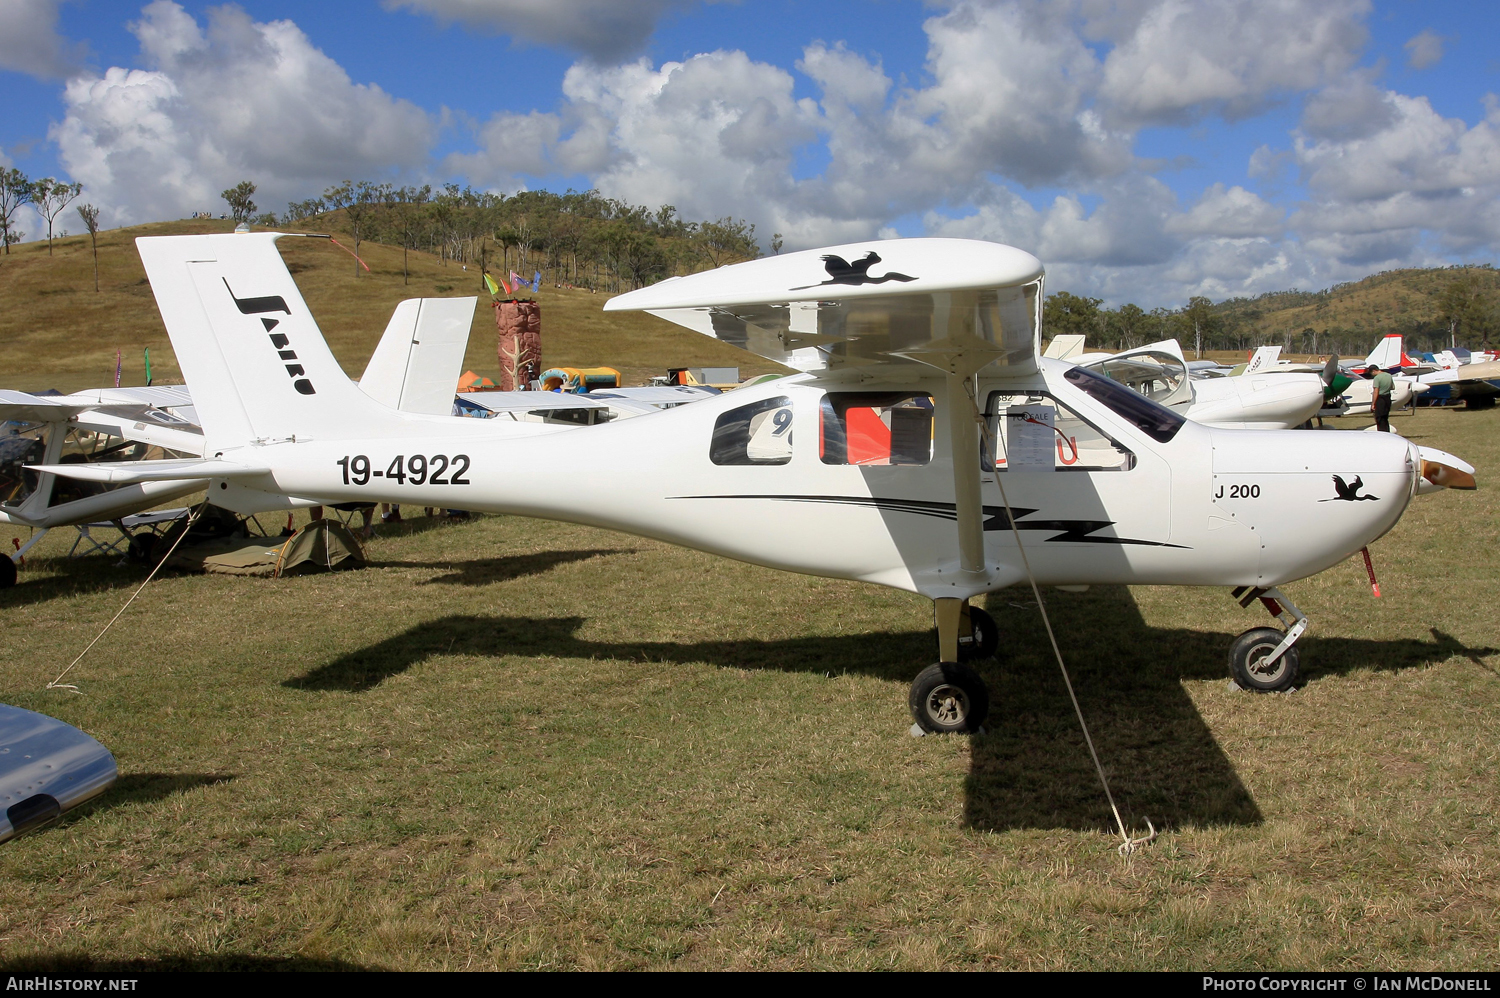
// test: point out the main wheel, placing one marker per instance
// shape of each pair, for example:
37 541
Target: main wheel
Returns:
949 697
1248 665
984 637
7 572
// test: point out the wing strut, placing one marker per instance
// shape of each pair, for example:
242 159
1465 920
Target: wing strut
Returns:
963 442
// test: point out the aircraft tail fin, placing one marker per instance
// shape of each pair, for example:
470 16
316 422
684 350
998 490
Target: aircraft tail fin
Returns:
1263 358
1065 345
417 363
256 362
1388 353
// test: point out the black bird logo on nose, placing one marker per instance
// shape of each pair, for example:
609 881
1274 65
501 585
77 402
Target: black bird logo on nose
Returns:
1348 491
841 271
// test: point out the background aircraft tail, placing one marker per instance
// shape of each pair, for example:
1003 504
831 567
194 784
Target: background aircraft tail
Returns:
1263 358
254 359
1388 353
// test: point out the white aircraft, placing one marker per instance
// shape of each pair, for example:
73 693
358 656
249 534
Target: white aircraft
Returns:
1249 399
1474 378
925 444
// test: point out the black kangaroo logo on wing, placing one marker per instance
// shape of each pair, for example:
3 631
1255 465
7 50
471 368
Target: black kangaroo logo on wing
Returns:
1348 491
274 303
841 271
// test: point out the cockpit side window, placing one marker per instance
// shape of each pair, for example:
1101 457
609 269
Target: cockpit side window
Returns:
875 428
1032 431
1151 418
758 433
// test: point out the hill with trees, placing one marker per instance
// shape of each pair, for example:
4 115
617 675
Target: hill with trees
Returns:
1432 308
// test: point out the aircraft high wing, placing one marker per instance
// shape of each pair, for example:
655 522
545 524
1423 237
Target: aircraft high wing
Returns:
926 444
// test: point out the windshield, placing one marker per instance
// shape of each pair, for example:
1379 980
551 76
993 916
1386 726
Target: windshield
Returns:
1153 419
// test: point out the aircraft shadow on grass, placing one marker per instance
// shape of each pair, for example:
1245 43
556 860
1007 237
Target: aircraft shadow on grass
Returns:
1031 769
484 571
83 576
142 788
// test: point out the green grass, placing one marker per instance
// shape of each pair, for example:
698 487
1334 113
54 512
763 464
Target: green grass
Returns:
520 744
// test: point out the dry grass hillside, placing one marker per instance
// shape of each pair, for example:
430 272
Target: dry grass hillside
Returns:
56 332
1391 302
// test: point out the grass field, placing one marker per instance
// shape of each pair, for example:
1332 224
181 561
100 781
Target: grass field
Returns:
519 744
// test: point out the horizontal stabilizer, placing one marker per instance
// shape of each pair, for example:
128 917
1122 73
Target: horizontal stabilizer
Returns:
130 472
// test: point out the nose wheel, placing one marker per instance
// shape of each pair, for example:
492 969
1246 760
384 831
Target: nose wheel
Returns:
1265 659
950 696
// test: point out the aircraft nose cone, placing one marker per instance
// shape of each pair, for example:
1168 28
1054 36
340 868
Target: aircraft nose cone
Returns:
1313 498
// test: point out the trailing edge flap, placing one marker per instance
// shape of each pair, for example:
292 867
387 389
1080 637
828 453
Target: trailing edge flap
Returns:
421 355
130 472
954 304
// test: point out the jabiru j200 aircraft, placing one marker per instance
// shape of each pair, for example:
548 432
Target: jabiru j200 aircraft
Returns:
925 442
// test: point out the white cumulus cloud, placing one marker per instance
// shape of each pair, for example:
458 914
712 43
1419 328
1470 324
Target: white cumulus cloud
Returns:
239 100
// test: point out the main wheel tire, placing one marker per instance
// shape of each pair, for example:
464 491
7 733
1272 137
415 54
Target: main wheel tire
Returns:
949 697
7 572
986 637
1247 655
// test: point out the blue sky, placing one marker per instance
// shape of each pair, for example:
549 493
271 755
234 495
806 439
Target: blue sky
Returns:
1147 150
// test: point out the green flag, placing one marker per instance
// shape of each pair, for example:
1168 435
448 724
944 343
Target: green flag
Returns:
148 367
489 282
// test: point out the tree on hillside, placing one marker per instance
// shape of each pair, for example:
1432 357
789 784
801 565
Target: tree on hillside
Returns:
776 243
1465 307
408 213
238 197
358 201
51 196
1201 318
723 241
15 190
90 216
1130 322
1069 313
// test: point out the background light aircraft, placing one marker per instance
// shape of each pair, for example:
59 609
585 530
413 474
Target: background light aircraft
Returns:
927 446
1244 400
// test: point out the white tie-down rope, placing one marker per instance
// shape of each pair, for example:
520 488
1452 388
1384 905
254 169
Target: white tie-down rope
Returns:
58 684
1128 844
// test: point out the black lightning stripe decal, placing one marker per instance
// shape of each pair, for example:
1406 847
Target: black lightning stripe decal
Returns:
1074 531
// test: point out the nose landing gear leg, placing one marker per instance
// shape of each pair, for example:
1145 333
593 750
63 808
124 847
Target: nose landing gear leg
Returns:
950 696
1265 659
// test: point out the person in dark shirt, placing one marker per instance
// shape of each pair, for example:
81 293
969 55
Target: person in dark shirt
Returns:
1381 403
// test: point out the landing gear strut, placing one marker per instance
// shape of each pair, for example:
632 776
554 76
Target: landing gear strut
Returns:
1264 659
950 696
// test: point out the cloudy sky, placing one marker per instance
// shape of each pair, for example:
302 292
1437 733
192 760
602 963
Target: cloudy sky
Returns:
1146 150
